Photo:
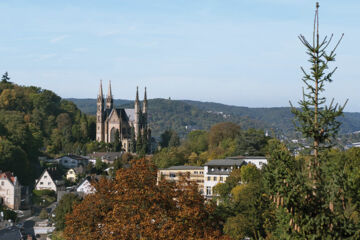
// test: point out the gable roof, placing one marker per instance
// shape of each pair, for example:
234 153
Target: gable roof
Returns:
9 176
130 112
54 175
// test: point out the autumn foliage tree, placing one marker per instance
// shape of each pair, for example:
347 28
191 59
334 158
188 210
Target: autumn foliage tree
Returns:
134 206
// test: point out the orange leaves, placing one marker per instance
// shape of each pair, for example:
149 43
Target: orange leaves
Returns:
133 206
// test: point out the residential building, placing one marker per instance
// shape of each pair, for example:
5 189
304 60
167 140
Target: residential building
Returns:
10 190
192 173
106 157
258 161
217 171
50 179
72 161
71 175
85 187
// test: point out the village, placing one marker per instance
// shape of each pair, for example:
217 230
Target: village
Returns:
77 174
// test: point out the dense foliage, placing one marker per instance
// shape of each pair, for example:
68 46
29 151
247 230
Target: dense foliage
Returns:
133 206
64 207
222 140
33 120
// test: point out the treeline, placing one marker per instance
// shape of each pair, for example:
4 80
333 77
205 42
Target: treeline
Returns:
222 140
35 121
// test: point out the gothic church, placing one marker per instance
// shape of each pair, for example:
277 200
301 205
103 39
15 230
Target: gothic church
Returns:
125 123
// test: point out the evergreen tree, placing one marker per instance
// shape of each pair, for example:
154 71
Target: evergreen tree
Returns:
117 143
133 141
316 119
308 204
5 78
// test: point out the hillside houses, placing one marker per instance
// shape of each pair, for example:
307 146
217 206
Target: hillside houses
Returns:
50 179
72 161
212 173
10 190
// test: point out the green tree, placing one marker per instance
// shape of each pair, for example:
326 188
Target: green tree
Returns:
64 207
5 78
174 140
43 214
309 203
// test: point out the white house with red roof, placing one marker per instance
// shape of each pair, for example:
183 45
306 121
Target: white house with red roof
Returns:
10 190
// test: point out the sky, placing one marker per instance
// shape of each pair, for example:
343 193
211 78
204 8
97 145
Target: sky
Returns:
237 52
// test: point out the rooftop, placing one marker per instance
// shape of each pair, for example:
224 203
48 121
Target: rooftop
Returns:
225 162
185 167
246 157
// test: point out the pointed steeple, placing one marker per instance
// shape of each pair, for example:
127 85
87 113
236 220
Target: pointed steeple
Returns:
145 102
109 98
100 90
137 94
109 94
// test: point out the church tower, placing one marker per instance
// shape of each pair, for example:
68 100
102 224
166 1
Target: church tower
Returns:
137 109
109 98
144 111
100 115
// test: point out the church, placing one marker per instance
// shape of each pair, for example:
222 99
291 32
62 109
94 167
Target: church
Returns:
127 124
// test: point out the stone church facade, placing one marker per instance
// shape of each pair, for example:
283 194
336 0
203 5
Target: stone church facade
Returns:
126 123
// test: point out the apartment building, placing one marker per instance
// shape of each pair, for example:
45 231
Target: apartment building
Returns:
192 173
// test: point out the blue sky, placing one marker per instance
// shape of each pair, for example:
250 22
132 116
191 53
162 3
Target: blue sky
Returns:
243 52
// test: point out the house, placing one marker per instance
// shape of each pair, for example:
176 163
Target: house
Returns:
72 161
217 171
85 187
258 161
106 157
10 190
71 175
50 179
192 173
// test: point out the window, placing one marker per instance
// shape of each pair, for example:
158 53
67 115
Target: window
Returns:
45 177
195 172
2 183
215 178
221 178
201 172
208 190
209 179
212 169
41 183
49 183
172 175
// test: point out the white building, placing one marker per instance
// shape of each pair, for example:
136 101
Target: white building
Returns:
217 171
49 180
85 187
258 161
10 190
72 161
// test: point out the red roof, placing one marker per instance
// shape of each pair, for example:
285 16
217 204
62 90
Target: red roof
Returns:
7 175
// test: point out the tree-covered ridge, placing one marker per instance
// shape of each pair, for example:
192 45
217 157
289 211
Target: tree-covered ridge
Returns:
202 115
34 120
223 140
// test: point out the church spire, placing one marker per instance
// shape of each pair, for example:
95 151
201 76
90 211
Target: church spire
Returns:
109 98
145 102
100 90
137 94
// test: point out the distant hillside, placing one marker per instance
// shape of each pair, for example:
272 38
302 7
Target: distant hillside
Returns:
185 115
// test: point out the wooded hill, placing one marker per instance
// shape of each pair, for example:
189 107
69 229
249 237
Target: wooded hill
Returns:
185 115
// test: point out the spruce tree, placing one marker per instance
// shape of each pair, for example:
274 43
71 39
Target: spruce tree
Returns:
316 120
309 205
5 78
